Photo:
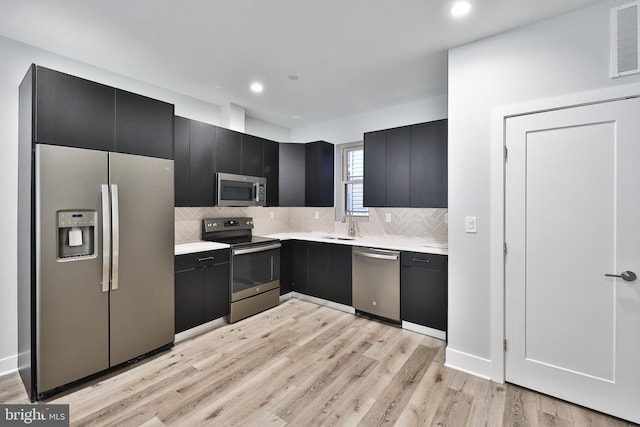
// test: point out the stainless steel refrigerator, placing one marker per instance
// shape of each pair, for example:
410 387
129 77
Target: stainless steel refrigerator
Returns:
104 290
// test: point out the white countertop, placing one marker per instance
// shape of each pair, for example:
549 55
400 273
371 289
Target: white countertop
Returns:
199 246
381 242
393 243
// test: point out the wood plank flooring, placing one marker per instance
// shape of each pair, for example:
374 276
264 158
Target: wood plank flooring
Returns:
300 364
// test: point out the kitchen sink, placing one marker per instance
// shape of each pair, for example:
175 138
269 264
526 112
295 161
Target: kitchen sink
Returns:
340 237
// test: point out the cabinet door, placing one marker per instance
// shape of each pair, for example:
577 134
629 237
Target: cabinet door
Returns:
73 112
423 290
216 291
286 267
375 169
144 126
429 165
318 270
252 156
300 267
181 161
201 164
398 179
339 280
319 177
189 301
292 172
228 150
271 171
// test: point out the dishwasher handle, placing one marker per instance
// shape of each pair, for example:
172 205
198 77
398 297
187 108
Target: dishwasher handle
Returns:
393 256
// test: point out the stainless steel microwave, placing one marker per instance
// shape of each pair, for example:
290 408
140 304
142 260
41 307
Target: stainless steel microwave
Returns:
240 190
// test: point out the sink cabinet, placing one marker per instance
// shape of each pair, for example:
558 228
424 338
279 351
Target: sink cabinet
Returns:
423 289
321 270
201 288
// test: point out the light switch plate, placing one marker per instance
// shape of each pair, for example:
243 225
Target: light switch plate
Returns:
387 217
316 215
470 224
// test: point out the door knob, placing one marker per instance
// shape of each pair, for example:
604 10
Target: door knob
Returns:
628 276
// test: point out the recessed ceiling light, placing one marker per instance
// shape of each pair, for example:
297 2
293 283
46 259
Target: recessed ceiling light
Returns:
460 8
256 87
293 77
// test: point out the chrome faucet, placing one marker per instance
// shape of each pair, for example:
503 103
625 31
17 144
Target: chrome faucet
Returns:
352 227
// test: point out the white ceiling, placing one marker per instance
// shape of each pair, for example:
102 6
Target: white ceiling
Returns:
351 56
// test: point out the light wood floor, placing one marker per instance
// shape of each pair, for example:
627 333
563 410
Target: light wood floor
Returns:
305 365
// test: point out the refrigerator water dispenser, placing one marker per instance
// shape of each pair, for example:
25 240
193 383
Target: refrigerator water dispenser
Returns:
76 234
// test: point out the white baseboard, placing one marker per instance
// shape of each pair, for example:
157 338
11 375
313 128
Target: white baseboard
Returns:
8 365
468 363
424 330
324 302
286 297
200 329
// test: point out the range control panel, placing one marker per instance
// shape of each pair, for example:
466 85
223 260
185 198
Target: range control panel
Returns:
210 225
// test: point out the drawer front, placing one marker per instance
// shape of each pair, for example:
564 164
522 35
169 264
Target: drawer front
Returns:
421 260
201 259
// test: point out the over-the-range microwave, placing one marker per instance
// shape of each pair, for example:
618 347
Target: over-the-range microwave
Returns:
240 190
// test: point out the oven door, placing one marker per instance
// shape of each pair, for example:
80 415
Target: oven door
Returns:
255 269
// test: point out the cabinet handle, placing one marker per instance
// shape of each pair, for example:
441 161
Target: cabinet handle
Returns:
209 258
425 261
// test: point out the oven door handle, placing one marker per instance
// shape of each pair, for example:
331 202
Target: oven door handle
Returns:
242 251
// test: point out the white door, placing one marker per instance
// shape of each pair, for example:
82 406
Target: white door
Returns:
572 215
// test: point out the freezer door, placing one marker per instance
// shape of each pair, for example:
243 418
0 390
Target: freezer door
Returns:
72 317
142 294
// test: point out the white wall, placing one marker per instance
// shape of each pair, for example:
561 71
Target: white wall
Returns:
258 127
16 58
563 55
352 128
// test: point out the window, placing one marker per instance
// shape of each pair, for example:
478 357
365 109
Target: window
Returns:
352 184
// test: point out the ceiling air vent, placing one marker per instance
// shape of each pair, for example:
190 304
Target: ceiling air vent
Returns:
625 48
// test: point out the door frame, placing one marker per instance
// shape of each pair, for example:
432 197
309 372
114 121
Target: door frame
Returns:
499 116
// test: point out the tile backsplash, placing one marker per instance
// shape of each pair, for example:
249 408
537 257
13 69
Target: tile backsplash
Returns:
429 224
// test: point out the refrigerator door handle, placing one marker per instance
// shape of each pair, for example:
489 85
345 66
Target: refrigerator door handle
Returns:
106 237
115 230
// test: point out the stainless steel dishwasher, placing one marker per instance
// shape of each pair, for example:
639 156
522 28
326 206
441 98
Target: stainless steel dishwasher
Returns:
376 282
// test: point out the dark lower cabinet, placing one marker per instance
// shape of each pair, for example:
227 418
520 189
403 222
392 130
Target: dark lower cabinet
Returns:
321 270
423 289
201 288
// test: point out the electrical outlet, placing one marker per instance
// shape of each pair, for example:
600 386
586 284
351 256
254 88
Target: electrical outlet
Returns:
316 215
387 217
271 215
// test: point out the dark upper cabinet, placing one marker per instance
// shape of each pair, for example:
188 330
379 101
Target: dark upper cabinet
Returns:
406 166
319 177
375 168
181 161
292 173
252 155
429 164
271 169
398 172
73 112
306 174
202 149
201 164
144 126
228 150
